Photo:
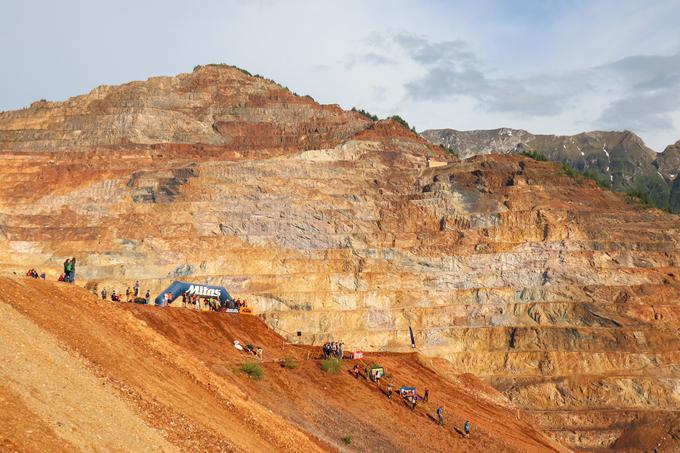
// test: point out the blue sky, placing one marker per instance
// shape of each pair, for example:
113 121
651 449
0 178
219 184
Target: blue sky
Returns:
546 66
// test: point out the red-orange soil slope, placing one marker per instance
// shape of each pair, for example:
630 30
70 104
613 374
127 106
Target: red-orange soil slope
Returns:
83 374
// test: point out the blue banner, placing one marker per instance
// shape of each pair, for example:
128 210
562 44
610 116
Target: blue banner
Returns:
179 288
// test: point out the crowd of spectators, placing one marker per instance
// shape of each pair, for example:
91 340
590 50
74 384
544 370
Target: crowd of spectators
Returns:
334 349
131 295
34 274
208 303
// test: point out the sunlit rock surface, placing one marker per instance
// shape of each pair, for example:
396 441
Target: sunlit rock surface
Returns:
564 296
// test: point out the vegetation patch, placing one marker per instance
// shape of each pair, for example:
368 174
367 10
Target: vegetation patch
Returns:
594 175
366 114
639 197
450 151
253 370
347 440
535 156
570 171
331 366
598 177
403 122
646 191
289 363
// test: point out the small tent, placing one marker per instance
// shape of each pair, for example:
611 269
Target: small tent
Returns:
178 288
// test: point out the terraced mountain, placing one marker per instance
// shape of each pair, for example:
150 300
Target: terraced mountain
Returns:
560 294
619 160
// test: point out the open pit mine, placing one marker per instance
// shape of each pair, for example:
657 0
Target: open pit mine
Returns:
557 301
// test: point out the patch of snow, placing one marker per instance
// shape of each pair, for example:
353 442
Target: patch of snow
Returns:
609 161
582 153
672 176
659 173
564 146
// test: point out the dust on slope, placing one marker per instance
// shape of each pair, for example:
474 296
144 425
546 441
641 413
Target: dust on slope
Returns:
176 369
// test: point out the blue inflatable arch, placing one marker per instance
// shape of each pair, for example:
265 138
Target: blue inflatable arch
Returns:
179 288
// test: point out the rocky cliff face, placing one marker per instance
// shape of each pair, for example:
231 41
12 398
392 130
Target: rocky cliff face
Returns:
560 294
214 106
668 161
619 160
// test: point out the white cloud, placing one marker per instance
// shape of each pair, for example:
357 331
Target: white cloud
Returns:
550 67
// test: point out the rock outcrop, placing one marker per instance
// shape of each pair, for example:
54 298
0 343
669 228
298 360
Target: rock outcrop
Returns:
215 106
564 296
619 160
668 162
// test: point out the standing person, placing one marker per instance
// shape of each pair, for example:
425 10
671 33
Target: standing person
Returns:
94 290
466 428
104 294
355 370
73 270
440 416
390 389
341 349
427 395
137 286
127 294
147 296
258 353
67 265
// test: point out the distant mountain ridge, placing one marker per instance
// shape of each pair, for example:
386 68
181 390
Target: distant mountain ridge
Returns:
668 162
616 159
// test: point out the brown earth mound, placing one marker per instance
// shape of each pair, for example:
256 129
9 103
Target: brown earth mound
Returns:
83 374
